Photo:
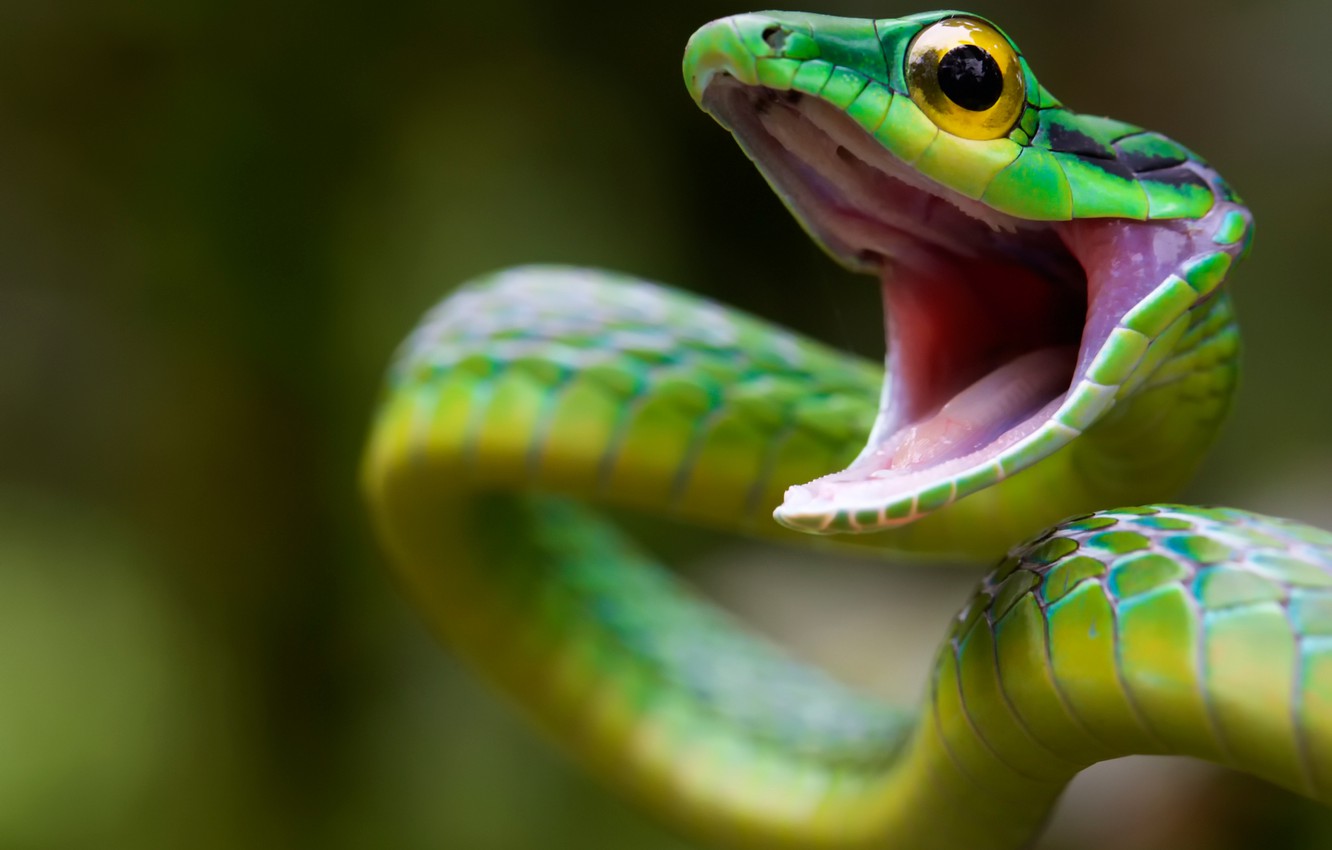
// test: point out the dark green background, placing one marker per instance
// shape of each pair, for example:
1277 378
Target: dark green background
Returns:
218 218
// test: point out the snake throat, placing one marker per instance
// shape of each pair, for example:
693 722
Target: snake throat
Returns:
994 323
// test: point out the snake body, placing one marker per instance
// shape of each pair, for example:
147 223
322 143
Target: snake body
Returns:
530 395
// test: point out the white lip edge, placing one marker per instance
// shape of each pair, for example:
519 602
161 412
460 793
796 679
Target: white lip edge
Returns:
828 512
818 515
824 512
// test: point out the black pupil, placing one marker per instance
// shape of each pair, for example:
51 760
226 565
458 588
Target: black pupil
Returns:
971 78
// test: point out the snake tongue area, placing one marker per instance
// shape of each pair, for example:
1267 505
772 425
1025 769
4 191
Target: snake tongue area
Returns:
990 319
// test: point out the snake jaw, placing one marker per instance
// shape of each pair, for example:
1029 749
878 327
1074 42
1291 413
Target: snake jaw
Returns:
1007 338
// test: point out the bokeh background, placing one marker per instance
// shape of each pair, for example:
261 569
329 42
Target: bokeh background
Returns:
218 218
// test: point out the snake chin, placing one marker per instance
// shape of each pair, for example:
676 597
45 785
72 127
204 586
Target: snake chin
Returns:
990 319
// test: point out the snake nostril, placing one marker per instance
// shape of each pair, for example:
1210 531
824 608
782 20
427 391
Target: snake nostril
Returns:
775 36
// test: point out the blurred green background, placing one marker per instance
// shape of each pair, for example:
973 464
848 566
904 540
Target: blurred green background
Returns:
218 219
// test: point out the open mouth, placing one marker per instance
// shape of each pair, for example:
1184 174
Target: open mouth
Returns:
992 321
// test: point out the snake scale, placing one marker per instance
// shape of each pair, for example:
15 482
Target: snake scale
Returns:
1060 340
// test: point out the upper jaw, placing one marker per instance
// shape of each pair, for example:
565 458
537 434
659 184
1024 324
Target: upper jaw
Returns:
1006 337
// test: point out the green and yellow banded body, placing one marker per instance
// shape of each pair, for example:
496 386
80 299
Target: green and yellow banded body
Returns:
1061 342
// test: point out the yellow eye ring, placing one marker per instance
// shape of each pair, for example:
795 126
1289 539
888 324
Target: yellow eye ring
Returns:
966 77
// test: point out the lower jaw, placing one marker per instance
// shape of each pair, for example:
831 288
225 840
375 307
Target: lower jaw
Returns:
1000 403
992 326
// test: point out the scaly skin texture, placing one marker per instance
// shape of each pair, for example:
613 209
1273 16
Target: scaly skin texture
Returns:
1205 632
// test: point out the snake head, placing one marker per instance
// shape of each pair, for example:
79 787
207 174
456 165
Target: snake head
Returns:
1041 270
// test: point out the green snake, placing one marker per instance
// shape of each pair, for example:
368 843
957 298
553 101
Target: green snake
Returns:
1060 341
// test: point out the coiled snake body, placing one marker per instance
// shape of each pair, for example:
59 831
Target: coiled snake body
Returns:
1060 340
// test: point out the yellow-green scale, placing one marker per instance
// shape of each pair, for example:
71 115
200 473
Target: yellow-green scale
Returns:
1002 732
1159 647
1249 659
1023 657
1141 630
1083 655
1314 710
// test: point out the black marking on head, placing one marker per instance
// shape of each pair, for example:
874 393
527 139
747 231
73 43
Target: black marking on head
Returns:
1149 151
1112 167
1142 163
1066 139
971 78
1058 132
1177 177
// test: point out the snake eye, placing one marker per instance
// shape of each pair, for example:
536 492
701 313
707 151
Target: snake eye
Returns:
966 77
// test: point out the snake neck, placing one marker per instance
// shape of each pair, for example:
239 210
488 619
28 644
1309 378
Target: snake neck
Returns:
1039 267
1092 356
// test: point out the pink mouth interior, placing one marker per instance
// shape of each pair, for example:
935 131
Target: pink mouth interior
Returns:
990 319
975 348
